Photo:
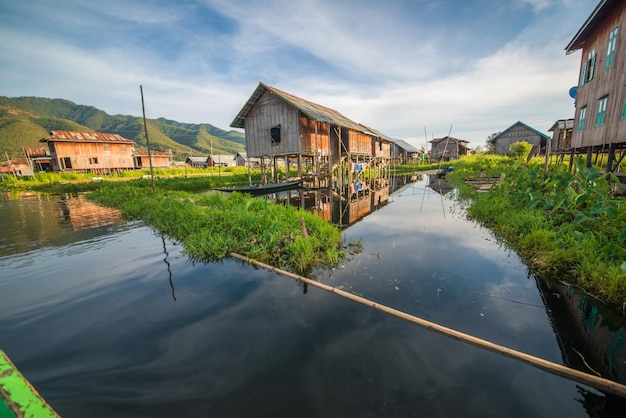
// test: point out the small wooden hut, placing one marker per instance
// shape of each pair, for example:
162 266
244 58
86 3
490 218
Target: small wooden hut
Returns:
519 132
281 126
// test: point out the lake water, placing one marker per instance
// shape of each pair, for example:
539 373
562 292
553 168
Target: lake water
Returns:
110 319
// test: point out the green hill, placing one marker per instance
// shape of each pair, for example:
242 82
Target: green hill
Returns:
25 120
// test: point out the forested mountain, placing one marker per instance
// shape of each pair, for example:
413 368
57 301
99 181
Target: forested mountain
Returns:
25 120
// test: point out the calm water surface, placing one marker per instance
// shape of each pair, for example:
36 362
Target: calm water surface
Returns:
111 319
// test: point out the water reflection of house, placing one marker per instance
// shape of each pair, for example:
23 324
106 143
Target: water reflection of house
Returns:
341 205
281 126
589 341
439 184
91 152
82 214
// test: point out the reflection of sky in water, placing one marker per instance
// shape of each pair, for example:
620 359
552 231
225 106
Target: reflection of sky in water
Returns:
95 326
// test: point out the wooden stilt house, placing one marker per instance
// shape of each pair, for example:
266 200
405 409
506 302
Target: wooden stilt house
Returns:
600 119
281 126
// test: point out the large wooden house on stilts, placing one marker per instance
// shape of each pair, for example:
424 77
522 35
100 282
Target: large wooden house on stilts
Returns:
284 130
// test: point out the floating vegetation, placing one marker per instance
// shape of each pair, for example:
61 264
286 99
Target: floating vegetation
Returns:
564 224
211 225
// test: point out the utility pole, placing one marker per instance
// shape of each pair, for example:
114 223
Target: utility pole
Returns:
145 127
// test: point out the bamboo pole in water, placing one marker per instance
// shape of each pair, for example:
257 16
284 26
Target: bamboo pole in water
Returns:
597 382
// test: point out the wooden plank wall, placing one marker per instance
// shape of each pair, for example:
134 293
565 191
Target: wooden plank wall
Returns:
358 143
605 82
269 112
310 140
80 153
515 134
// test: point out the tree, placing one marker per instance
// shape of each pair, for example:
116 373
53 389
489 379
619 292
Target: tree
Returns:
520 149
491 146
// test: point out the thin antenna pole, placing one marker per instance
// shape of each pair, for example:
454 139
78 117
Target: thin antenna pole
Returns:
145 127
445 148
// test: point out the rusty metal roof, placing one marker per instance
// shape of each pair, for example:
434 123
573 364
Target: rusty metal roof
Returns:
312 110
70 136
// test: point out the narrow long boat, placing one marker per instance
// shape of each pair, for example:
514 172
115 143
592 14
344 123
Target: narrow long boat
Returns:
264 189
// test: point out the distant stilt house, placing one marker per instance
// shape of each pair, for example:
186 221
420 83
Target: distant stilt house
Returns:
17 167
282 127
221 160
242 160
448 148
561 136
160 159
39 159
89 152
600 119
197 162
403 152
517 132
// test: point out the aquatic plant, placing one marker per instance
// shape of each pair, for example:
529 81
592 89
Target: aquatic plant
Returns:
563 223
211 225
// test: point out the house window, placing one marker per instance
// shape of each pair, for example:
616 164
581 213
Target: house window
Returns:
275 134
610 50
106 147
66 163
581 118
93 160
586 74
123 147
601 111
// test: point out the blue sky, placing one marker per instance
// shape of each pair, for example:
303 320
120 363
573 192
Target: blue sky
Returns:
410 69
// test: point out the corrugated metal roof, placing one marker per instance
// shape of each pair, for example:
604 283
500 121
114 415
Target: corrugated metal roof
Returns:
70 136
522 124
405 145
312 110
561 124
438 140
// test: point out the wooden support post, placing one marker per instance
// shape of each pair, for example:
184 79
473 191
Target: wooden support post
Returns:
611 158
589 156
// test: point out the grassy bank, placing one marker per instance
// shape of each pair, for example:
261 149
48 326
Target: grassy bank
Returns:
210 225
564 225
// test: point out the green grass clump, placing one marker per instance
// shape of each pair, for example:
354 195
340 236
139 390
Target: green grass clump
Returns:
565 225
210 226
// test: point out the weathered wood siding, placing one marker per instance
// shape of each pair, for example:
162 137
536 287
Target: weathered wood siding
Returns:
314 136
91 156
380 148
452 150
356 142
515 134
606 82
269 112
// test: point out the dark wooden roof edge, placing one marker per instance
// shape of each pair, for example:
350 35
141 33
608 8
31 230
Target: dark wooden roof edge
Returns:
592 21
310 109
